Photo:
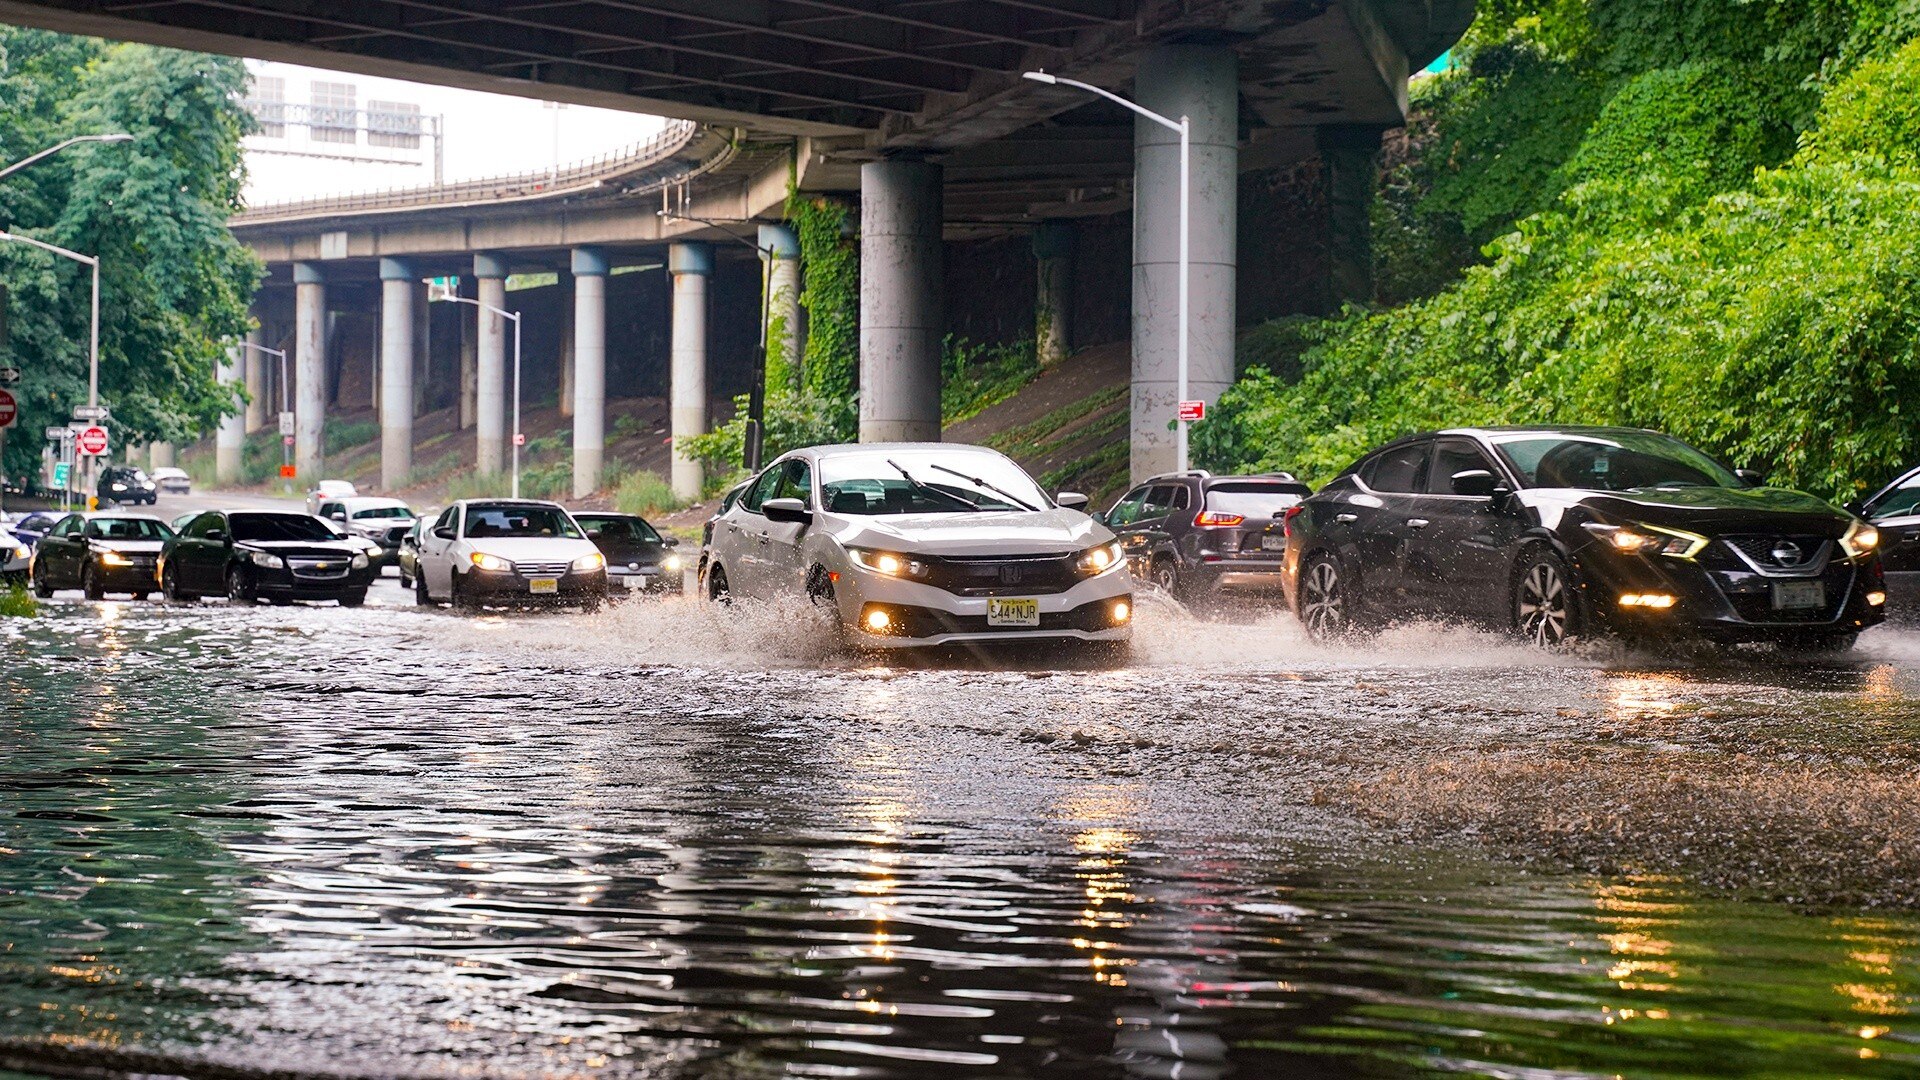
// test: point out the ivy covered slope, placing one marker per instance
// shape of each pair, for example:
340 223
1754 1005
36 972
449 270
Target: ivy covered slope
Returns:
1687 215
174 283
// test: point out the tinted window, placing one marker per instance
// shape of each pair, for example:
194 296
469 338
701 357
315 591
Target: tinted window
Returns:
1127 510
1400 469
762 489
272 527
382 512
127 529
618 528
1900 502
1254 500
1615 461
796 482
68 525
508 520
1159 502
1452 456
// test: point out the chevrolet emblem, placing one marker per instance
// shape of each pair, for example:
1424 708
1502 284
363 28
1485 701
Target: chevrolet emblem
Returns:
319 566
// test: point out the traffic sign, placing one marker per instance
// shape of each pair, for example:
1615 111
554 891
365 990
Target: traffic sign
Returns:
1191 411
93 441
8 410
286 471
9 376
519 438
60 474
286 423
286 440
59 434
90 412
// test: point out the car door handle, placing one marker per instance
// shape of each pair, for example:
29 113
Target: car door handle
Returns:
1912 537
1418 523
1346 519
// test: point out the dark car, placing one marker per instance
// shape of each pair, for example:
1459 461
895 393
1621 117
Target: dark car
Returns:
407 555
1558 532
98 554
127 485
1895 511
249 555
36 525
1194 534
639 559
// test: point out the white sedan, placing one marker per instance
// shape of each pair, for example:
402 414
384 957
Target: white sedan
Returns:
913 544
513 551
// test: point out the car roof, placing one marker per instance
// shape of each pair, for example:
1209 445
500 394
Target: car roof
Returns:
832 450
509 502
372 500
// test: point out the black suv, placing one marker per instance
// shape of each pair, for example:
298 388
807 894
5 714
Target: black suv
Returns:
126 485
1562 530
1194 534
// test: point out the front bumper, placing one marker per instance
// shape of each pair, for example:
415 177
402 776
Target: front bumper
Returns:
510 585
141 577
625 582
1723 603
288 584
923 615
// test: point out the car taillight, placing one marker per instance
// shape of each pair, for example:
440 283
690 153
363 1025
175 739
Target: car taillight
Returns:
1207 519
1286 523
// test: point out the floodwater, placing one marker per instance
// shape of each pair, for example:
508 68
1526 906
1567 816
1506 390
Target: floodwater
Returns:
662 842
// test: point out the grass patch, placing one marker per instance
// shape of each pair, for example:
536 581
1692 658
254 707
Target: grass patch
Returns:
974 376
644 493
1098 467
17 603
344 435
1027 438
435 469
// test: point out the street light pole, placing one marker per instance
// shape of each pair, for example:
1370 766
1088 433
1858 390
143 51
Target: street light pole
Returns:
286 406
93 346
51 150
435 293
1185 127
756 400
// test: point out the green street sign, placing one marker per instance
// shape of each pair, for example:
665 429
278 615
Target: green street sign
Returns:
60 474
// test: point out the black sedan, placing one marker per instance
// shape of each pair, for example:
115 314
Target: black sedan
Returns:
639 559
1895 511
251 555
126 484
1557 532
99 553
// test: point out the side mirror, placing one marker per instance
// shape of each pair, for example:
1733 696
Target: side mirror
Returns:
444 532
1856 508
1750 477
217 536
1072 500
338 516
1099 516
792 510
670 541
1478 483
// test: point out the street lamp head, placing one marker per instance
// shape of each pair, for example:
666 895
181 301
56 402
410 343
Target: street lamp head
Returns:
120 137
1040 77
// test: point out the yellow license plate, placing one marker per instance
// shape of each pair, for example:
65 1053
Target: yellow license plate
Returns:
1013 611
543 586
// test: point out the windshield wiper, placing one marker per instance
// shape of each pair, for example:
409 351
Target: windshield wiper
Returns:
924 486
1002 492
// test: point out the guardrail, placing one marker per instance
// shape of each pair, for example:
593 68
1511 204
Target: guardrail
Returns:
580 175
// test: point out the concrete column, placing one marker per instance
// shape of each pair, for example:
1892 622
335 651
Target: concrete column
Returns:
160 455
230 441
398 285
490 367
691 265
1053 305
423 351
469 358
310 373
781 248
568 298
903 313
590 368
1200 82
255 364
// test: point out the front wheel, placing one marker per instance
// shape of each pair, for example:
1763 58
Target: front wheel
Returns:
239 587
90 583
1326 599
42 588
354 598
406 580
1166 576
170 587
717 590
420 594
1544 610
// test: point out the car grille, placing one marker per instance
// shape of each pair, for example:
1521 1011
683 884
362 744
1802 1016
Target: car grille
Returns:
1751 596
1776 554
541 569
320 569
1002 575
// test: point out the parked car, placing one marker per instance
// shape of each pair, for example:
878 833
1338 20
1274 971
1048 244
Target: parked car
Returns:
179 521
381 521
913 544
251 555
508 551
1194 534
172 481
329 489
639 559
1561 531
1895 511
31 527
126 485
408 557
16 557
99 553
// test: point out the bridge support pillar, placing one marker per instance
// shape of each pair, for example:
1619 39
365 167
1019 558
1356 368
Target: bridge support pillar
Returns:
1200 82
397 288
254 363
231 438
1053 306
902 301
310 372
160 455
490 367
590 368
691 264
781 248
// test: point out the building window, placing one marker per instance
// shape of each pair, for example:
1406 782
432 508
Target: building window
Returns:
335 118
393 123
269 106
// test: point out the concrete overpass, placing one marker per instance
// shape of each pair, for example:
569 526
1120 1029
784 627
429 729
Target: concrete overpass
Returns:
918 105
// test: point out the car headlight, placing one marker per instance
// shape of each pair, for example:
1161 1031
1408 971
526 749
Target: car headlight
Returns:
889 563
1101 559
490 562
673 564
23 553
1648 539
118 487
270 561
114 558
1860 539
359 561
589 563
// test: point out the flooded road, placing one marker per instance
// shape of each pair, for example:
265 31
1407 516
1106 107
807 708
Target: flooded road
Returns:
661 842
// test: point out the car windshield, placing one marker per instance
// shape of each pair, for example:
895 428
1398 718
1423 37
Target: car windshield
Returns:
1617 461
127 529
1254 500
488 519
619 528
382 512
271 527
925 482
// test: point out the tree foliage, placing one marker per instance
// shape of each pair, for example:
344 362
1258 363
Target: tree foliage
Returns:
175 285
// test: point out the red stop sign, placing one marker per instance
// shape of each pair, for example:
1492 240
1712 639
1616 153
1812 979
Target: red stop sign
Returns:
8 409
92 441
